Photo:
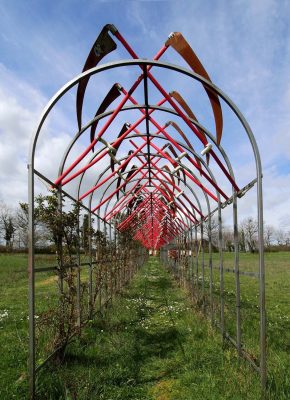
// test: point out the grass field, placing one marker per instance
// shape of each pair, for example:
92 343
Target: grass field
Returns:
150 344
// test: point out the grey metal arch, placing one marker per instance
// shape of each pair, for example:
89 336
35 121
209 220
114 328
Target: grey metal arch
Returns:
259 189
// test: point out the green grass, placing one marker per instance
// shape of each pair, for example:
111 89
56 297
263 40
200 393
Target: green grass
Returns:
151 344
14 319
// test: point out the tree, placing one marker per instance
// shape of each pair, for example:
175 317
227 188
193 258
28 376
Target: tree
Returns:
228 239
287 239
85 233
212 229
62 230
249 227
280 237
61 227
8 227
242 239
269 232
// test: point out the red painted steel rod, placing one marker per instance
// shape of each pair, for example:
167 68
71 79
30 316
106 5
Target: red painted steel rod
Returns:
143 188
110 120
126 182
135 173
180 112
106 151
169 181
127 199
174 143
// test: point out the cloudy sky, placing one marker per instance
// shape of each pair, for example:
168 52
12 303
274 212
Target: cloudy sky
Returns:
245 46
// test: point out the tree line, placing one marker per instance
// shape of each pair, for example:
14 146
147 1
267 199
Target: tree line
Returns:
14 229
274 239
52 228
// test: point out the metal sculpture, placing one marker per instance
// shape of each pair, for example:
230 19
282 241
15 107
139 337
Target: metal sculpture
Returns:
151 184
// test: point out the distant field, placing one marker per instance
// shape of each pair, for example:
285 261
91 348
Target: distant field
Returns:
14 316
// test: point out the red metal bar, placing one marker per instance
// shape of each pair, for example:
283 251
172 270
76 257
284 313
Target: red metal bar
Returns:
169 181
174 143
110 120
135 173
126 198
179 111
106 151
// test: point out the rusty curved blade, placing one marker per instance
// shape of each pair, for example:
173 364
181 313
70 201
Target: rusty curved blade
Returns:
179 44
123 170
134 199
103 45
184 137
174 163
166 190
130 173
170 176
112 94
122 131
171 148
172 207
180 100
177 96
133 204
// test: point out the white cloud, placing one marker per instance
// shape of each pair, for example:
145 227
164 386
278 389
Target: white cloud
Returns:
244 45
20 105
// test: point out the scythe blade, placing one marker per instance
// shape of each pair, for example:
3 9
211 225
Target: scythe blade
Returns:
122 131
102 46
112 94
122 170
177 128
177 41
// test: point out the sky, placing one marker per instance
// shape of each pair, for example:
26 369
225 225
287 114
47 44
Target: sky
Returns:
244 45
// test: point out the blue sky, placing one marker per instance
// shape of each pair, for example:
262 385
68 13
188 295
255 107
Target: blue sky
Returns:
244 45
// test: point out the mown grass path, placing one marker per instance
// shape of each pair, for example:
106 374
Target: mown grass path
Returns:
150 344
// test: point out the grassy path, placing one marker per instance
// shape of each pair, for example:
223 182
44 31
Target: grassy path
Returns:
150 345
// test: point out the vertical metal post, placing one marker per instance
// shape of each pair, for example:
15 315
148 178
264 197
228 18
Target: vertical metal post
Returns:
99 267
78 272
191 277
263 364
222 300
115 258
90 313
60 261
210 270
237 273
111 263
179 259
105 268
31 281
196 262
202 261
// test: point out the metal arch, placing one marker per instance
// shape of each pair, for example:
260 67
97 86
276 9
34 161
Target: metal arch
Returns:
126 108
134 180
186 185
163 138
210 260
210 86
183 166
141 62
109 112
95 70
